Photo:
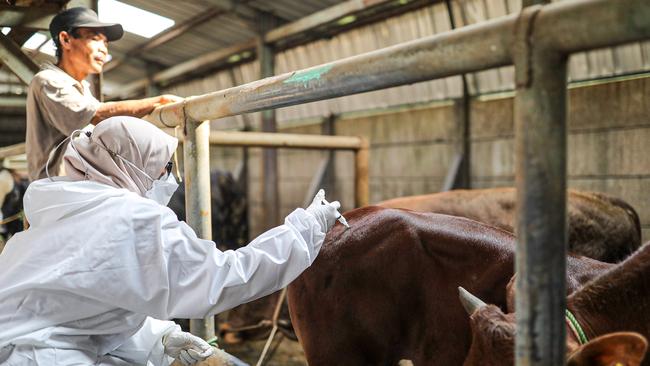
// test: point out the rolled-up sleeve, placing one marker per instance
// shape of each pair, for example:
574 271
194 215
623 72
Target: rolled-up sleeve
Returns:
64 106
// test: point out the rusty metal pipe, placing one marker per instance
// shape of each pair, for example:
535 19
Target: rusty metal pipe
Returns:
541 154
198 211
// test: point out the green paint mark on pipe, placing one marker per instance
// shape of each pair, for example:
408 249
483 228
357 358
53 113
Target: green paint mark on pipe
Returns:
308 75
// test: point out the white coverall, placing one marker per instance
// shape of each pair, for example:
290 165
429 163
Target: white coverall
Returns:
83 285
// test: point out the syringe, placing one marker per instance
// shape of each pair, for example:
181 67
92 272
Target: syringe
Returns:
340 219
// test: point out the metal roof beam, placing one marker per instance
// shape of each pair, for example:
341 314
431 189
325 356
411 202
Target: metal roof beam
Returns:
33 17
19 63
245 12
212 58
320 18
235 7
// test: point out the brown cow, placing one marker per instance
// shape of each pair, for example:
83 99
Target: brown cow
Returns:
385 290
600 226
616 301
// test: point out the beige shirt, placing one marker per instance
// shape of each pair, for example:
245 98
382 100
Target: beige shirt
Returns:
57 105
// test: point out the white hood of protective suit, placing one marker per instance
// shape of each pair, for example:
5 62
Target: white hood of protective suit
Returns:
47 202
98 260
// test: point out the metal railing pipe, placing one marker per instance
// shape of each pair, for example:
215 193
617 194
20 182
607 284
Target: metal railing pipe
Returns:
198 211
568 26
362 175
583 25
540 178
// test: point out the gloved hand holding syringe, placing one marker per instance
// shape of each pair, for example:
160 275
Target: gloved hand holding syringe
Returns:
340 219
326 213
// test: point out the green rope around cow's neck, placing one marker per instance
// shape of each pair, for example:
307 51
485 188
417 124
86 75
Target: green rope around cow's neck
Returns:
575 326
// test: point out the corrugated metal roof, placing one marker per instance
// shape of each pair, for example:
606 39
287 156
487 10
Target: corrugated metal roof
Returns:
219 32
292 9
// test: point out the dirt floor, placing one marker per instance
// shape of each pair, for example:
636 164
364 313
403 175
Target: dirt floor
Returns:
283 352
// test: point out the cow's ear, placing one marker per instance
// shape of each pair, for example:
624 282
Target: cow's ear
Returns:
613 349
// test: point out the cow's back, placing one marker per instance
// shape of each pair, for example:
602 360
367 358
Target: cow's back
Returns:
600 226
386 289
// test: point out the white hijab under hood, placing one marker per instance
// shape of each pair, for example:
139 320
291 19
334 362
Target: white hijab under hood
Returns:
138 141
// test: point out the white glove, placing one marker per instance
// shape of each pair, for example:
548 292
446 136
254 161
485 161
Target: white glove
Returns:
325 213
185 347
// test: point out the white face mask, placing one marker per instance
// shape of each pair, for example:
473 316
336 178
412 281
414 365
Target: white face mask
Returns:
162 189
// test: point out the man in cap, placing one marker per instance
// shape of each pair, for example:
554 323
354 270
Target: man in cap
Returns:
59 99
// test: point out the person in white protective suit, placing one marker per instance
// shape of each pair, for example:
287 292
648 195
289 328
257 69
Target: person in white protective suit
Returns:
104 258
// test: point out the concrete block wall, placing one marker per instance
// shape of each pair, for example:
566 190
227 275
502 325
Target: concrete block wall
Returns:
410 149
608 142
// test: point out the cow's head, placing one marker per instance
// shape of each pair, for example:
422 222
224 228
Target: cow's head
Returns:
12 190
493 341
6 188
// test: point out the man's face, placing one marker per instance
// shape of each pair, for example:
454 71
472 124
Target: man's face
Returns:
88 51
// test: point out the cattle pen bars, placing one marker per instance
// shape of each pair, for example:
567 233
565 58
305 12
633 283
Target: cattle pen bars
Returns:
538 42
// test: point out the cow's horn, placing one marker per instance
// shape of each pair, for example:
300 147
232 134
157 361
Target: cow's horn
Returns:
469 301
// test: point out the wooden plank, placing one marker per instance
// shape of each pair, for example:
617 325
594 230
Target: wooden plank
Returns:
12 150
18 62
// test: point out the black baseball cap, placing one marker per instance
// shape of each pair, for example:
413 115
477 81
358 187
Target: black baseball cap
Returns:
73 18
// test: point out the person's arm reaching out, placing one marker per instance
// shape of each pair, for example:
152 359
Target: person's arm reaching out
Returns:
134 108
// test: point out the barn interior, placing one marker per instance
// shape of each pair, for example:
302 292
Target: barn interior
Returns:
439 134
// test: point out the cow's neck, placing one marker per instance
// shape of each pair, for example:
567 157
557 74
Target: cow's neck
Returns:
619 300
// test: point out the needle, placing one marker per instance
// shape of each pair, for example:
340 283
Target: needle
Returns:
340 219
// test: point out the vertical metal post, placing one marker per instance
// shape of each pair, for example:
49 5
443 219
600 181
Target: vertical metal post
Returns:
540 144
151 90
463 108
270 189
97 79
329 177
361 178
198 212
